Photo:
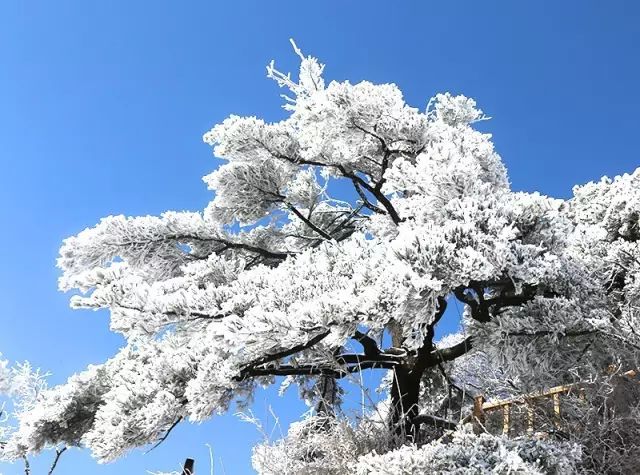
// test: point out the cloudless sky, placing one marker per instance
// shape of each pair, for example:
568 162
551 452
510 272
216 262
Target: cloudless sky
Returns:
103 105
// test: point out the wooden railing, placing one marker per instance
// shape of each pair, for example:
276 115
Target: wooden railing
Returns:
481 407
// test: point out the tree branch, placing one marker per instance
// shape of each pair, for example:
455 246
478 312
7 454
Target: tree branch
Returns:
308 222
540 333
434 421
193 315
59 452
258 250
369 345
224 242
281 354
359 359
424 353
395 217
453 352
315 370
352 176
364 198
166 434
477 312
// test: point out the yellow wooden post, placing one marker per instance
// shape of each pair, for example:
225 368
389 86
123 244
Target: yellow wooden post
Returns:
478 414
556 410
506 418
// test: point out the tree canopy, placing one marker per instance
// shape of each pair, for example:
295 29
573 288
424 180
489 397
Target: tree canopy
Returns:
352 222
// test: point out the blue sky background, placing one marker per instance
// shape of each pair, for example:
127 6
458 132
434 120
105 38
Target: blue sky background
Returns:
103 105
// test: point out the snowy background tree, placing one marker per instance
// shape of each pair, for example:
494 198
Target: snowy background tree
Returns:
20 389
334 243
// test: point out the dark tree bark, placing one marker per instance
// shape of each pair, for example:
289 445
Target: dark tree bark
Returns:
189 467
405 394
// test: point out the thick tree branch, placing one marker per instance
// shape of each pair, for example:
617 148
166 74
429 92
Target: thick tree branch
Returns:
282 354
225 243
371 134
288 370
424 360
453 352
369 345
373 358
345 173
483 309
187 316
434 421
478 312
383 169
315 370
395 217
308 222
257 250
359 359
364 198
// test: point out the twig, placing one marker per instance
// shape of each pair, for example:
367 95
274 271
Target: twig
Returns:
59 452
164 437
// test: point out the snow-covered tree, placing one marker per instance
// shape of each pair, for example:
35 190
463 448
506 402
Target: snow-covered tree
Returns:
20 388
354 221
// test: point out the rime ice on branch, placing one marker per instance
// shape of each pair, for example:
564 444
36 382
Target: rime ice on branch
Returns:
287 274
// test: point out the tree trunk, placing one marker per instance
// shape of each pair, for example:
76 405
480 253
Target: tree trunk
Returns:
404 401
327 390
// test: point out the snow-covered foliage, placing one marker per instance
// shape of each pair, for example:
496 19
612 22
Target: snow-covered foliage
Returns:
324 446
20 388
285 273
467 454
318 445
5 376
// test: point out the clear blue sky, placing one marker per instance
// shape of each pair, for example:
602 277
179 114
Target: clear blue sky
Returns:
103 105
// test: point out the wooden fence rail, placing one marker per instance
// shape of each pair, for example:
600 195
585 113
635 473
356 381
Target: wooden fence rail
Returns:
481 408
